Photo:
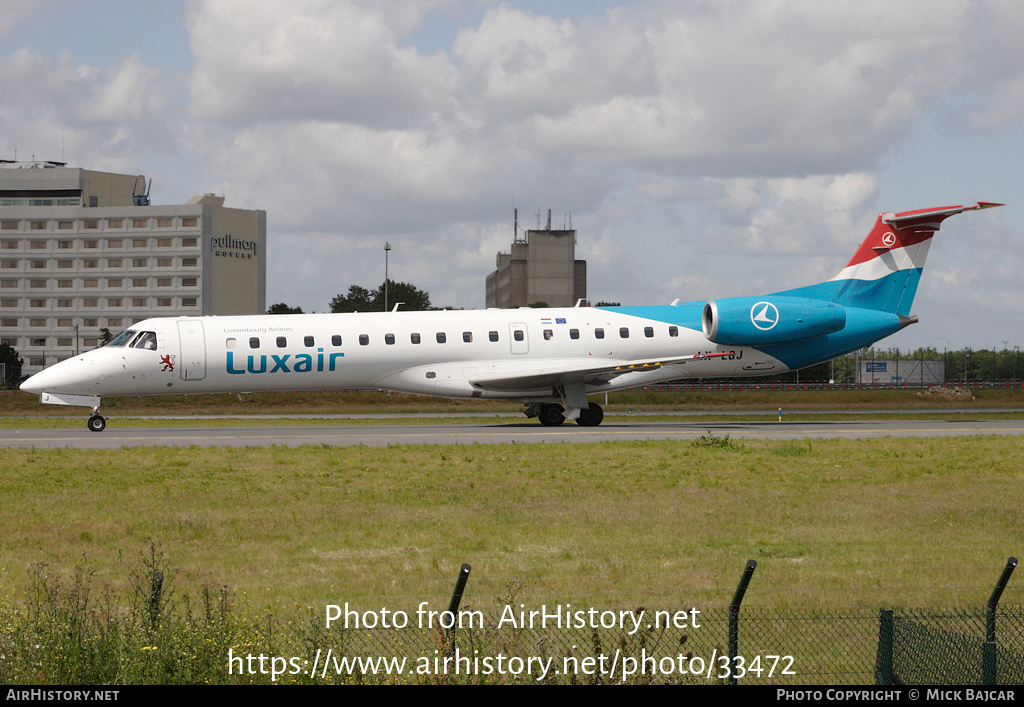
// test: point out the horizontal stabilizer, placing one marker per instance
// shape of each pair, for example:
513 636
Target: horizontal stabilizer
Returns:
935 216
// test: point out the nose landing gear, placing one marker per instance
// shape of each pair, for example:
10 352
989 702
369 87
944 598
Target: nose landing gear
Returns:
96 423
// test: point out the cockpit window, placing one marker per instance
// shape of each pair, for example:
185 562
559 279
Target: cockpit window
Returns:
123 338
145 340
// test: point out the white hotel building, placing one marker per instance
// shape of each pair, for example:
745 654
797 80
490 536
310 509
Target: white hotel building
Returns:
82 252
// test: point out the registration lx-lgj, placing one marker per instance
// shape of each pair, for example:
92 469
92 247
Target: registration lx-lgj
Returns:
550 359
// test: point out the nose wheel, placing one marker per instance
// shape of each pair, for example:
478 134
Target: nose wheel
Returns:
96 423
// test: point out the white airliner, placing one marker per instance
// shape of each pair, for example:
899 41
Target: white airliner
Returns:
550 359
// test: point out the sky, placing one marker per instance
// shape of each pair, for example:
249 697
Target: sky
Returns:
700 149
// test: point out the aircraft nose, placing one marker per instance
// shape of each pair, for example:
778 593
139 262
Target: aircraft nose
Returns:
30 386
60 377
39 382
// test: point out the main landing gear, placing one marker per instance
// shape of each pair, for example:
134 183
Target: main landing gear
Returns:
591 417
551 415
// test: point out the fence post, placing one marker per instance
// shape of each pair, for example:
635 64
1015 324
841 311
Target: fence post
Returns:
883 663
988 664
734 617
453 605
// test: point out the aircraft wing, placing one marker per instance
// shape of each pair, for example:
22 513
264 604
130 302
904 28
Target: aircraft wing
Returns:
588 373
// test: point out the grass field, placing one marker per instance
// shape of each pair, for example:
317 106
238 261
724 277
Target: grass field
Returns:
254 543
904 522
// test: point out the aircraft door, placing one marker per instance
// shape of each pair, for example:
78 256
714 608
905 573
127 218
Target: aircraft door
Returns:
518 339
193 349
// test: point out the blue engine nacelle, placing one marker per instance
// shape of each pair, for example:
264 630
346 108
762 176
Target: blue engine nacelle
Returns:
759 321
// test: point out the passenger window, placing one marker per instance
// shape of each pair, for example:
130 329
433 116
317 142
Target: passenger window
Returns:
230 344
673 331
282 342
599 333
336 340
389 339
649 332
415 338
254 342
624 332
467 336
441 338
548 334
364 339
518 335
574 333
308 341
492 335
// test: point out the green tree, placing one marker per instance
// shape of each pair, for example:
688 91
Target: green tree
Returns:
282 308
360 299
12 366
412 298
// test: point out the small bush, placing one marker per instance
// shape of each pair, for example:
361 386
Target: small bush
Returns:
713 441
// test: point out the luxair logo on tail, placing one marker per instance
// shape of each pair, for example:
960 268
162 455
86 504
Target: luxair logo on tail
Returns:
285 363
764 315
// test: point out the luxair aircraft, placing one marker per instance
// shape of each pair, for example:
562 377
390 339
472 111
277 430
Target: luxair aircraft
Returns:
550 359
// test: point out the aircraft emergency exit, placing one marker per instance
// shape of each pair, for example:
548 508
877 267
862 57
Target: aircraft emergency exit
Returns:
550 359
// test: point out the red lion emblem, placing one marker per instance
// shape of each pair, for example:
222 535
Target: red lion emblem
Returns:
167 362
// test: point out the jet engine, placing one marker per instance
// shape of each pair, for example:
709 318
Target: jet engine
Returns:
759 321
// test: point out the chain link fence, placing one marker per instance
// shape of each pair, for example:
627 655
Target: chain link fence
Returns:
917 648
60 635
775 647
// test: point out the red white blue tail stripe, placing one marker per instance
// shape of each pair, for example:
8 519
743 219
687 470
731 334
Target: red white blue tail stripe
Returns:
884 272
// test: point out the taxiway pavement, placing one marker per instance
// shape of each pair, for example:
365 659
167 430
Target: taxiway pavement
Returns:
502 430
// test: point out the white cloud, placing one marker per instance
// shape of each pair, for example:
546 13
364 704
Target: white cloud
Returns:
16 10
769 88
794 216
101 118
311 59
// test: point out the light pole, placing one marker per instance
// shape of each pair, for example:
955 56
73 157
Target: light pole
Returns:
387 249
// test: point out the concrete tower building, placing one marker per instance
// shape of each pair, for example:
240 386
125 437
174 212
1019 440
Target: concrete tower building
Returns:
541 267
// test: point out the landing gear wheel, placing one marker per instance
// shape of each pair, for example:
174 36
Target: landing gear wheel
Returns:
591 417
96 423
551 415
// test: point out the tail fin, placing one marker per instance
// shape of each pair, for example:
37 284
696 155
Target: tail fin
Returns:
884 272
